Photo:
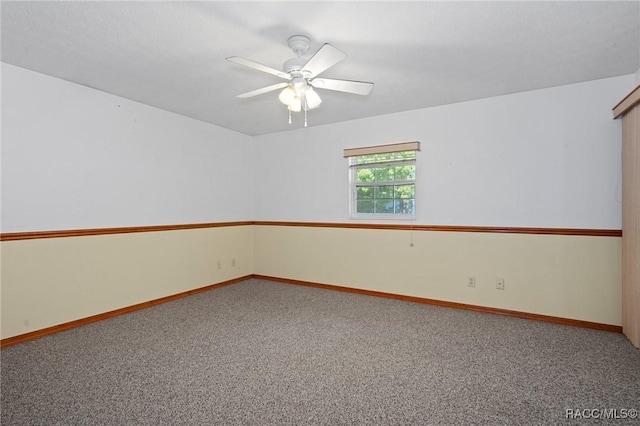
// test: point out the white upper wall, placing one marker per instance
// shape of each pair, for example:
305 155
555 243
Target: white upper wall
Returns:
544 158
74 157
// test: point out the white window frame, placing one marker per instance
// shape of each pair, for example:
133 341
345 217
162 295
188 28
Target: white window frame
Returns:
353 168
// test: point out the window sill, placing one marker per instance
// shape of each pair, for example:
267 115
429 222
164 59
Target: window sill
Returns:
390 217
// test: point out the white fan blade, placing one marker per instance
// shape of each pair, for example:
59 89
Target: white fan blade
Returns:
349 86
263 90
259 67
326 57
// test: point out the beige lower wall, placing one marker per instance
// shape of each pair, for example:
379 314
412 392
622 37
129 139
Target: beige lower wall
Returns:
46 282
576 277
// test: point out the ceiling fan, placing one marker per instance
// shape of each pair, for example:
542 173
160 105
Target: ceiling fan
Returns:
302 76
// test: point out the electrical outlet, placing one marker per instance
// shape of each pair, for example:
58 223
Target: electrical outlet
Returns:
233 262
500 283
471 282
219 265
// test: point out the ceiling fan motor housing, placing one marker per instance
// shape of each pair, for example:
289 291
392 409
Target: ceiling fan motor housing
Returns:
294 65
300 45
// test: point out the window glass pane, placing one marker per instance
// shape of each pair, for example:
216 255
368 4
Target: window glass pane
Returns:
383 191
404 206
364 175
406 155
364 192
383 206
405 172
364 206
405 191
383 158
382 174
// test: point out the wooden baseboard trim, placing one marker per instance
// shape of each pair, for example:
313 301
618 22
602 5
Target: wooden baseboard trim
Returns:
94 318
484 309
9 341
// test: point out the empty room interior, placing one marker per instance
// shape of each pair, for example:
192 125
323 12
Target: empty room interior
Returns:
320 212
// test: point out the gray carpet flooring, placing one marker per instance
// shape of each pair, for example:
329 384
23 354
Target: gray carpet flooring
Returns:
267 353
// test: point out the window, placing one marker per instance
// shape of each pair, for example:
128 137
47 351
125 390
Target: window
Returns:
382 181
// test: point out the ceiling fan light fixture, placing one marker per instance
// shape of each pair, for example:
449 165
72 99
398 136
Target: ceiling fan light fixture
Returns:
312 98
299 85
295 105
287 95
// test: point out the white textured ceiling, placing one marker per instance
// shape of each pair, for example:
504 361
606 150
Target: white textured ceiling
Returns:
419 54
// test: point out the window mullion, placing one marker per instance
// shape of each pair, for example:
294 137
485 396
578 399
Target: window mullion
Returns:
403 182
385 183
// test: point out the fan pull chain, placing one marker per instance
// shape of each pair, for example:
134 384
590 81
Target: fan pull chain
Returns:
304 106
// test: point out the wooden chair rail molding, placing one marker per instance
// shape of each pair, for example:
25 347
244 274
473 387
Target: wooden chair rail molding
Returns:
14 236
453 228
